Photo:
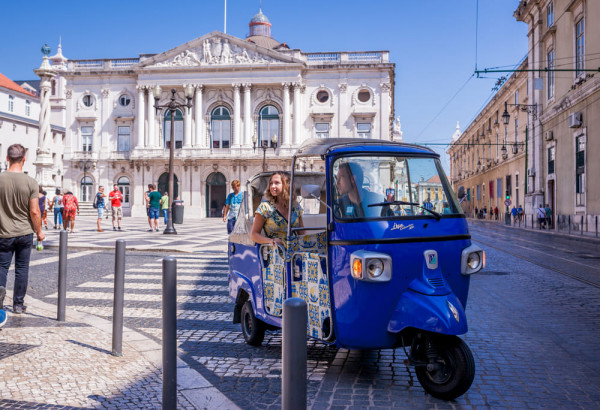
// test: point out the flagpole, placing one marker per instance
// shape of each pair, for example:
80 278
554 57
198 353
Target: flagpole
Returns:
225 23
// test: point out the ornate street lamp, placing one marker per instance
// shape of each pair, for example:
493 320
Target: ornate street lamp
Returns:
172 106
85 165
264 145
505 114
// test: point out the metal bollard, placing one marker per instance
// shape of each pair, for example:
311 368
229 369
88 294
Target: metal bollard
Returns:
596 226
169 353
569 224
62 276
117 335
293 383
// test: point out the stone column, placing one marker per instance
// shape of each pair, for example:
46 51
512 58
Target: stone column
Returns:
187 128
237 118
247 116
296 139
139 121
199 134
43 160
151 141
285 138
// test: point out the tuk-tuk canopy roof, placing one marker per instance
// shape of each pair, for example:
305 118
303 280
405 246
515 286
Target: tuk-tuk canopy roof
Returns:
320 147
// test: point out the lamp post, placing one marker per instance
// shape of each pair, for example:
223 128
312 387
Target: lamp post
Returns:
172 106
264 145
85 165
530 109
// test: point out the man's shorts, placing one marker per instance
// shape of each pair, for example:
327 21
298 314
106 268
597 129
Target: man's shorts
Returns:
117 211
153 213
100 213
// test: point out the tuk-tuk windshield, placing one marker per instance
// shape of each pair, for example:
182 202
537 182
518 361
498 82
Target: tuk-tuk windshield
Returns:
390 187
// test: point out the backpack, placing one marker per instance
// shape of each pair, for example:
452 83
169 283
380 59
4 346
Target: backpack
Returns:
95 203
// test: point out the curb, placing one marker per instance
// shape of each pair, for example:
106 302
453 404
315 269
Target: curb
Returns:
192 385
581 238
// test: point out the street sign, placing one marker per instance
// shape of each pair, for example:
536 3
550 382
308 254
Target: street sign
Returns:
507 202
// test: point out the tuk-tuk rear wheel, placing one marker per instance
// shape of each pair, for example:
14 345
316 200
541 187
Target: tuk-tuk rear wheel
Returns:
453 371
253 328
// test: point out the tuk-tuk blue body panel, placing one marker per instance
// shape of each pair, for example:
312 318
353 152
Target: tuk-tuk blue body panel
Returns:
363 310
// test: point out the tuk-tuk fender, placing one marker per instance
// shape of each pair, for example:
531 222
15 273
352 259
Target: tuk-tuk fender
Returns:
430 313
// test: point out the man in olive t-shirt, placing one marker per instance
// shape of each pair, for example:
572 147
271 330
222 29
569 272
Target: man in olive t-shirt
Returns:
20 217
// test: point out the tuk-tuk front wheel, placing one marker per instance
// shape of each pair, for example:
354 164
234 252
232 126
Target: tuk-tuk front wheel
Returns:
253 328
451 372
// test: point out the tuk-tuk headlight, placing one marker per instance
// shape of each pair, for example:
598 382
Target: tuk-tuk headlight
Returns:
472 260
371 266
375 267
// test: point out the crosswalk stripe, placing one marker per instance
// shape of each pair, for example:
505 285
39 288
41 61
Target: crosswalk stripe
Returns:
157 286
179 270
107 311
53 259
141 297
139 276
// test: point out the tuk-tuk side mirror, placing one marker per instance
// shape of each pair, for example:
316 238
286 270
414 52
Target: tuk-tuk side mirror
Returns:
310 191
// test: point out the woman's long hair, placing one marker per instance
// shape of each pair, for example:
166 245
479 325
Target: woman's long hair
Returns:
285 192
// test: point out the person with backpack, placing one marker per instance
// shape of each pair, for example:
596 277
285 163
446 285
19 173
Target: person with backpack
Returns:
57 207
100 206
541 216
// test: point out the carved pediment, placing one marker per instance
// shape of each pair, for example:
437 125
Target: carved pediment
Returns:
216 49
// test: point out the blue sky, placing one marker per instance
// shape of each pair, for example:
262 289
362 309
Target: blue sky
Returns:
432 42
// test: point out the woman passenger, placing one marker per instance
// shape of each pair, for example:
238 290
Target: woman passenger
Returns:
271 215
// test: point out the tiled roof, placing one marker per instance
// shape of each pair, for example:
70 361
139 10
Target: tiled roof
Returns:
5 82
435 179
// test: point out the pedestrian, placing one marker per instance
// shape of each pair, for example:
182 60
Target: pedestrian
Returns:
147 200
20 218
57 207
476 212
548 211
115 198
100 206
232 205
514 214
520 213
164 206
71 206
42 203
496 213
541 215
154 199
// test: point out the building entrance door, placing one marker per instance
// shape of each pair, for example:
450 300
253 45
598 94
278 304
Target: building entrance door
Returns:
216 190
163 185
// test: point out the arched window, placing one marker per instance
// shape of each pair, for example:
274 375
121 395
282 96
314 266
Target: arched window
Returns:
220 126
178 136
86 189
124 186
268 125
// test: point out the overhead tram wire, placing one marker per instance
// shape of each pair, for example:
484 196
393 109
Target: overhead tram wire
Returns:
445 105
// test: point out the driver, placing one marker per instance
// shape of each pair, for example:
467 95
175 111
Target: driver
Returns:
353 199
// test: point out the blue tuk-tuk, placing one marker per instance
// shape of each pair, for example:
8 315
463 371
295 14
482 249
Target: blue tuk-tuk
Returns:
383 259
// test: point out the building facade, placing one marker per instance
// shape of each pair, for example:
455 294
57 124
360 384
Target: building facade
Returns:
19 123
253 102
565 87
553 112
487 160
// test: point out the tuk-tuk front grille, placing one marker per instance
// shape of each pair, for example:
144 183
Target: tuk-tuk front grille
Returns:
437 282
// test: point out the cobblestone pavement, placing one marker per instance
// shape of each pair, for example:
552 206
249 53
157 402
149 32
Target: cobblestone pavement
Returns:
533 333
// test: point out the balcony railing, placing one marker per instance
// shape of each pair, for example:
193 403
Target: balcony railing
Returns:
103 64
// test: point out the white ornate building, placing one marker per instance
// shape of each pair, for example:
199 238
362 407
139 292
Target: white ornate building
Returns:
245 93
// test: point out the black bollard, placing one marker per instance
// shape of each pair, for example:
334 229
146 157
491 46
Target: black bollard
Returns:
169 335
293 383
62 276
117 339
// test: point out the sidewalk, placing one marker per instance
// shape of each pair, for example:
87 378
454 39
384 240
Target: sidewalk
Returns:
49 364
588 237
194 235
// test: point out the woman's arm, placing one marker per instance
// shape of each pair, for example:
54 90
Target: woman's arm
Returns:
257 236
